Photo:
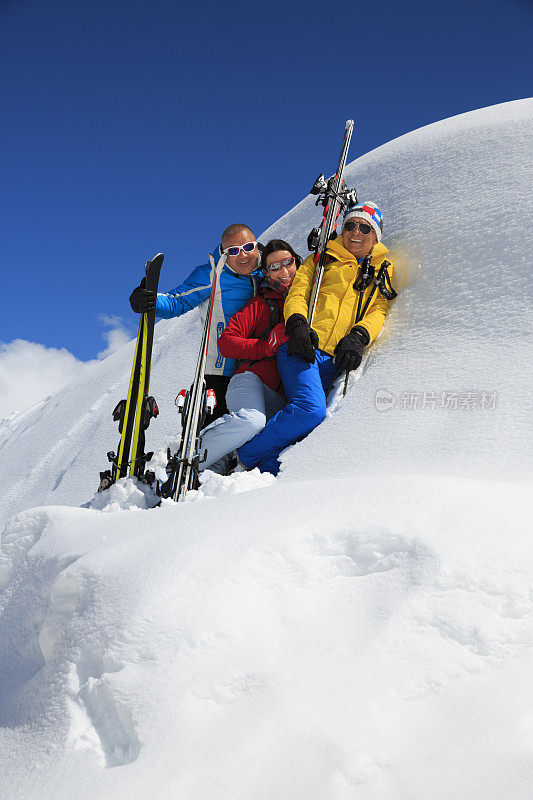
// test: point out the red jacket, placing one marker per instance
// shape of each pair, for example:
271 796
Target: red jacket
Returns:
239 338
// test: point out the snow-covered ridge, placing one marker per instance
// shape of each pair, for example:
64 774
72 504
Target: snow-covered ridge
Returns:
359 627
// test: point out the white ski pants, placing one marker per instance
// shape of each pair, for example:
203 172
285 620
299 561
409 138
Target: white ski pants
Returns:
251 403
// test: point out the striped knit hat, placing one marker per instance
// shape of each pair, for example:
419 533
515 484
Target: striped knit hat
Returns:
369 212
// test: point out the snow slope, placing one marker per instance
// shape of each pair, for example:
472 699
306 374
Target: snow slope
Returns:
359 627
456 200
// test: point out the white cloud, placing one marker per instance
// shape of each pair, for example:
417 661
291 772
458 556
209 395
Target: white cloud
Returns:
29 371
117 335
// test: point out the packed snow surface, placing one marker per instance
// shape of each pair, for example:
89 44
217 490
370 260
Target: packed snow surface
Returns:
359 627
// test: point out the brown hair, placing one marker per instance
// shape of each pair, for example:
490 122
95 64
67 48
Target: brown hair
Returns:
278 244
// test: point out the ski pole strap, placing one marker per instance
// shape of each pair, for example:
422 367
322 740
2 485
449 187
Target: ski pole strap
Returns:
361 284
365 275
385 285
367 303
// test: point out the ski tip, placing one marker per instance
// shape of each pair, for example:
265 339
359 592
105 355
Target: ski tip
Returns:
349 123
156 261
154 265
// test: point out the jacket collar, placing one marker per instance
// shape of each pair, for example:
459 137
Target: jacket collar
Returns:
267 291
336 250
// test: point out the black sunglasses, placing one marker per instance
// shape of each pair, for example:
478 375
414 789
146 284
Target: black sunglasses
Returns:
364 227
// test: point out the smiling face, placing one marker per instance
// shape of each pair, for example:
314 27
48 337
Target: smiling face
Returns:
243 263
283 275
357 243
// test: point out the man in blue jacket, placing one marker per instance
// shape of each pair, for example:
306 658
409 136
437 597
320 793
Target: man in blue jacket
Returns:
236 287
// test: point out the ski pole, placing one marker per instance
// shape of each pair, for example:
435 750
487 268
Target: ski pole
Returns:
383 283
363 281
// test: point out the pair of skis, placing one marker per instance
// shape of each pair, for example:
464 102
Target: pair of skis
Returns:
334 196
195 407
134 413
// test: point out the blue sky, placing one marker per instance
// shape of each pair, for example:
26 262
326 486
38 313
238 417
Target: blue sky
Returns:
133 127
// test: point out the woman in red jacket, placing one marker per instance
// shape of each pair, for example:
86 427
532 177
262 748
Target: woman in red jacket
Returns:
253 336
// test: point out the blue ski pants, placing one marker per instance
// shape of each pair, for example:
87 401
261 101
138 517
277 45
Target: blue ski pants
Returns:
251 403
305 388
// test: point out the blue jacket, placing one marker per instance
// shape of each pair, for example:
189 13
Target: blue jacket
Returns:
233 292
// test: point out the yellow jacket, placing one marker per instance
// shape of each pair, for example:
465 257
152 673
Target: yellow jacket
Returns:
337 300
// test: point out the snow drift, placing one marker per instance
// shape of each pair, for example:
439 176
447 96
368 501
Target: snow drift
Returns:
359 627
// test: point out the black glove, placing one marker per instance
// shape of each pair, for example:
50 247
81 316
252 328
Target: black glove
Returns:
349 350
302 339
143 300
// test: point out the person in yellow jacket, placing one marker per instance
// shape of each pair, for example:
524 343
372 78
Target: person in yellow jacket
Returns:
349 314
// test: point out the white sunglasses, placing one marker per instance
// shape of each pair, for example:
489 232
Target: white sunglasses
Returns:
234 251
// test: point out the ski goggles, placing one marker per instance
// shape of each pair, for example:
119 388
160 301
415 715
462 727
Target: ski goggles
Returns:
286 262
364 227
234 251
